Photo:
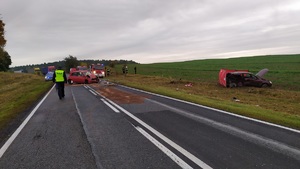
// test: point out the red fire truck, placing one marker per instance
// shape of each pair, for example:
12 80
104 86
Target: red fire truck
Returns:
98 69
51 68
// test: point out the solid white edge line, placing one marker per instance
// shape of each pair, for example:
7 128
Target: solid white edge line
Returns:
167 140
109 105
19 129
164 149
221 111
245 135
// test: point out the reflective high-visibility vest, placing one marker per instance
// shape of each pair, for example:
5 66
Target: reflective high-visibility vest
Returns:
59 76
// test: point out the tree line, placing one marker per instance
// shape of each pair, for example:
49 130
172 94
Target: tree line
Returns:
71 62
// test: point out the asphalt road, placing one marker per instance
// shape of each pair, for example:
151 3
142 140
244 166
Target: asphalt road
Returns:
104 126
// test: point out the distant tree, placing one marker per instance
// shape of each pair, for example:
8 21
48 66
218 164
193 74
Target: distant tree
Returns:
112 63
83 64
2 39
70 62
5 60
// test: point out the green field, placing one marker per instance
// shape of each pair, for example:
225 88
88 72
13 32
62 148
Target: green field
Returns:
278 104
284 70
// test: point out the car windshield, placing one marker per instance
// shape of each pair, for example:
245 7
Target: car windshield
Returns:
99 67
82 68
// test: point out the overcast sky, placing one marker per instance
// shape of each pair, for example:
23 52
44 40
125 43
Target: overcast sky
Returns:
148 31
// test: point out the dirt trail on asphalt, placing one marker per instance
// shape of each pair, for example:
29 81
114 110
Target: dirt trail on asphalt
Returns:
116 95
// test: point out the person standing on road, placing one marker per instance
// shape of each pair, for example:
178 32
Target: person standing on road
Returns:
60 78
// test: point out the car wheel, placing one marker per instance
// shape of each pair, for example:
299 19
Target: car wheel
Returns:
231 85
264 85
86 81
70 81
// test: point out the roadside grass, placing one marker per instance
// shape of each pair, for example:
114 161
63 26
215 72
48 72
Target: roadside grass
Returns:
268 104
284 70
278 104
17 93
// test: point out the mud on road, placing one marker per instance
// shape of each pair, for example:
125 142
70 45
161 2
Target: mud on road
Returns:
121 97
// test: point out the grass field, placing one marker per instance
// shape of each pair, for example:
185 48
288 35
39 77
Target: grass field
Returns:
284 70
17 93
279 104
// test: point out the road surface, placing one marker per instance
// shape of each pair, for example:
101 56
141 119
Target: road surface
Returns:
112 126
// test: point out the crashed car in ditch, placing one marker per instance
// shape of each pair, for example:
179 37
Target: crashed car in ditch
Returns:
82 77
239 78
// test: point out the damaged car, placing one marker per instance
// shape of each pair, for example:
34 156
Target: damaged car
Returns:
82 77
239 78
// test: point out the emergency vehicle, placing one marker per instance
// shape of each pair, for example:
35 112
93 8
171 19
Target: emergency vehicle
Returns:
98 69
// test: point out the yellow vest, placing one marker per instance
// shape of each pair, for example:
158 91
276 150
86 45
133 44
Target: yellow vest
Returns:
59 76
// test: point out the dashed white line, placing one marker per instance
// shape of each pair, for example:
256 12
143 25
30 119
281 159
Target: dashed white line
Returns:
109 105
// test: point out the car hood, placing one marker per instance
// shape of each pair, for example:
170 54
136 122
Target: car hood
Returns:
262 72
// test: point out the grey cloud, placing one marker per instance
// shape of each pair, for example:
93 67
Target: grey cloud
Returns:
148 31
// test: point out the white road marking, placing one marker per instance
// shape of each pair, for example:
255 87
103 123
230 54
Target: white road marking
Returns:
251 137
109 105
97 159
167 140
170 142
221 111
164 149
17 132
105 102
93 92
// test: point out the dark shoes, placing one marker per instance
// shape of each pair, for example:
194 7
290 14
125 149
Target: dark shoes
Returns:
61 97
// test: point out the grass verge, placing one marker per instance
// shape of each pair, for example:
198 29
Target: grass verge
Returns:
268 104
19 92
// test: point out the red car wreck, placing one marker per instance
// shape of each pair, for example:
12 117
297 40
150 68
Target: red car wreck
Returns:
239 78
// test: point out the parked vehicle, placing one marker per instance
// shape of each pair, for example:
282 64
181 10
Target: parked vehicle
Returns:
51 68
98 70
78 68
82 77
49 76
81 68
239 78
37 71
45 70
72 70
